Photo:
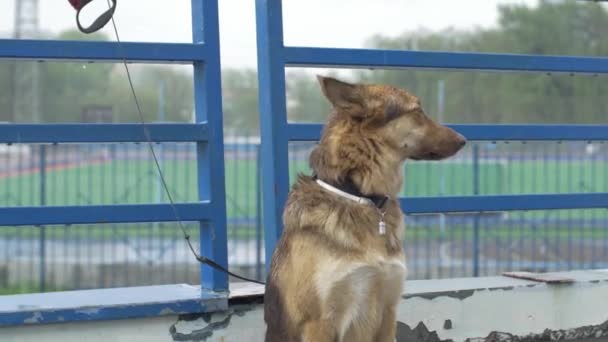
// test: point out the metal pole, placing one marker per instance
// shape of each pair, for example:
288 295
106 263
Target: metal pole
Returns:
210 155
159 183
161 118
440 112
476 217
273 119
442 218
258 216
42 266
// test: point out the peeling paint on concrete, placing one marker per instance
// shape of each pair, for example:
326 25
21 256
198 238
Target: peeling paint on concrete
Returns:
92 311
520 311
192 332
422 334
586 332
201 327
462 294
419 334
504 288
166 311
36 317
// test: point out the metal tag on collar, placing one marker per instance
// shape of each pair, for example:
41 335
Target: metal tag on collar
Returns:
382 224
382 227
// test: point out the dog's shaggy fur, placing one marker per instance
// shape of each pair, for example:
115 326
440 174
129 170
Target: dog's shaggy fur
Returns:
333 277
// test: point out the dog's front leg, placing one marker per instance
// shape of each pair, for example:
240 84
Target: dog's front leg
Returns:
388 327
318 331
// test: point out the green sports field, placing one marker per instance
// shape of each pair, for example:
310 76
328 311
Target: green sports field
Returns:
136 181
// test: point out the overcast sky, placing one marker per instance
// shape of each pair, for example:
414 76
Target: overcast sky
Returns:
338 23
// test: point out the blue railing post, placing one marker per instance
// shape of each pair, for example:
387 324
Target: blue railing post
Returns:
161 118
273 119
476 217
42 242
258 214
210 156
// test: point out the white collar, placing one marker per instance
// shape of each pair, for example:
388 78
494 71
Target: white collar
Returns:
330 188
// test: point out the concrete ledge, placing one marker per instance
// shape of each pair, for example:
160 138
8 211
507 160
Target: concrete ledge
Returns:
465 309
506 309
105 304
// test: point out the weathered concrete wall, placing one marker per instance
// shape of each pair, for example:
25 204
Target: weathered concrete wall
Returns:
482 309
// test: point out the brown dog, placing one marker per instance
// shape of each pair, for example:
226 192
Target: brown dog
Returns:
338 270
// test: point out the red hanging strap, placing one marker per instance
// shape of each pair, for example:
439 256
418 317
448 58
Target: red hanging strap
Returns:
78 4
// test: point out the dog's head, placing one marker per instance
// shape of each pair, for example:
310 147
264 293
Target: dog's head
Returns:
374 127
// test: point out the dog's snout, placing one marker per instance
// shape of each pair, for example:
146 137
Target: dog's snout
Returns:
461 140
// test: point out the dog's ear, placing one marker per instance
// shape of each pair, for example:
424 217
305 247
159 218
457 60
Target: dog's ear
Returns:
342 95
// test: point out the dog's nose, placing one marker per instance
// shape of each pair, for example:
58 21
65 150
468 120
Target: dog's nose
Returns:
462 140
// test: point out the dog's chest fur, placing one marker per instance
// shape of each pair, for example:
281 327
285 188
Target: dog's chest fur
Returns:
363 287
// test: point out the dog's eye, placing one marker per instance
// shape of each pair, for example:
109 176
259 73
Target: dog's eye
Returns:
391 112
415 109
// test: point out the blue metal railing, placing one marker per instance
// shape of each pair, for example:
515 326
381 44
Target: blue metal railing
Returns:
276 132
109 133
209 207
206 132
487 132
395 59
84 51
473 244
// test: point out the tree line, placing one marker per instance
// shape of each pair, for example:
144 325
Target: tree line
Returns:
552 27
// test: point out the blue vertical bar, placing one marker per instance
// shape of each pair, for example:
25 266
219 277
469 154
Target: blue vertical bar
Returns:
42 166
273 119
545 189
258 214
593 227
476 217
558 214
570 164
210 156
603 228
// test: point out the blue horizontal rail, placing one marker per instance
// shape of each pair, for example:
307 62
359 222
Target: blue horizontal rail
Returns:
73 51
312 132
395 59
533 132
87 133
462 204
99 214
